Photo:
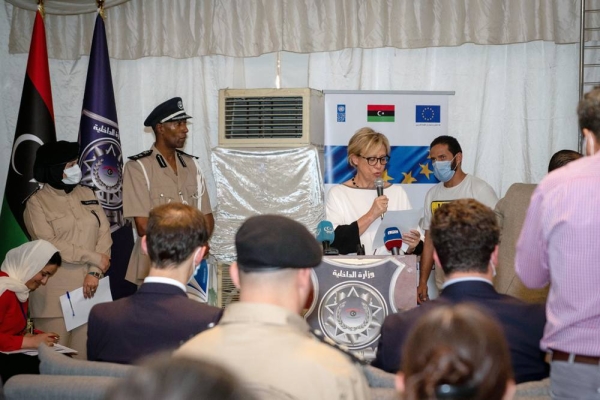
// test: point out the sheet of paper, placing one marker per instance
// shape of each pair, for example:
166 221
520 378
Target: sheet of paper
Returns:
403 220
79 313
33 352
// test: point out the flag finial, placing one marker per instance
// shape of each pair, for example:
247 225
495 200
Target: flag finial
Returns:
100 4
41 8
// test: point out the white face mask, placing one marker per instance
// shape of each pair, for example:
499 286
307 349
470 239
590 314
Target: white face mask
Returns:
73 175
196 268
493 268
585 144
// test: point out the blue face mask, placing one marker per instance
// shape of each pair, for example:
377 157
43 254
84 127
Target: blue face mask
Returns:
195 268
443 170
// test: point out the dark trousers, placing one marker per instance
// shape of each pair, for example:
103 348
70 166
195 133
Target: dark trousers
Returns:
15 364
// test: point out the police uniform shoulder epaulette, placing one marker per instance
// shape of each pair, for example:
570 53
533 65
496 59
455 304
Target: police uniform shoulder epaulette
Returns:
141 155
186 154
328 341
180 155
31 194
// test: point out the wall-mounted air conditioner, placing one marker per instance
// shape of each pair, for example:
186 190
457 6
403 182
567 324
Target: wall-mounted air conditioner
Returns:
271 117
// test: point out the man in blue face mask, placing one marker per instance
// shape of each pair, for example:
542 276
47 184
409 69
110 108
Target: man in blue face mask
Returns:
446 155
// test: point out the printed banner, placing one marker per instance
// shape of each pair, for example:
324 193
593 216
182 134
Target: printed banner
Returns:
410 120
352 296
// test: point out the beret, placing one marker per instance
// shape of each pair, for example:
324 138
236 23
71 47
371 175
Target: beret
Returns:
265 242
56 153
170 110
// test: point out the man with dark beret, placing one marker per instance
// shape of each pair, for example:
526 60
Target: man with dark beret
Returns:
161 175
262 338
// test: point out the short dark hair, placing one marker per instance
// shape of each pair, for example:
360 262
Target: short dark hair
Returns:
450 141
562 158
174 230
56 259
164 377
588 111
456 349
464 234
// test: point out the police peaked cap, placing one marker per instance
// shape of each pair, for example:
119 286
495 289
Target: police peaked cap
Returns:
267 242
170 110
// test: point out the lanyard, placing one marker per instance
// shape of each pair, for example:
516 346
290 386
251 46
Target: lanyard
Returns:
28 326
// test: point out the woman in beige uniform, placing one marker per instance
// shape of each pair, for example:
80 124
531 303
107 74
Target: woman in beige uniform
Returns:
71 218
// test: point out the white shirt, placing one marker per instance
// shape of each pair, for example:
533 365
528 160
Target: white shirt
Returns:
166 281
470 188
346 204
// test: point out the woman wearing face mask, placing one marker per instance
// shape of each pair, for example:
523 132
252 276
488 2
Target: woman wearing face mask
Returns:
70 217
24 269
355 209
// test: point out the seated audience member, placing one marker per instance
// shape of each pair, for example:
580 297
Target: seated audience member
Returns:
179 379
456 352
262 338
511 211
465 240
159 316
24 269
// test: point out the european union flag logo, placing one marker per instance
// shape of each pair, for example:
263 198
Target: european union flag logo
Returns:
428 114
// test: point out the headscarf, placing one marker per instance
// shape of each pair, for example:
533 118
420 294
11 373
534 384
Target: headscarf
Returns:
23 263
50 161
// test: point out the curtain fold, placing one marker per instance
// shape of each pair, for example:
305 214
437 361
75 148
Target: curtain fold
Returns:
65 7
249 28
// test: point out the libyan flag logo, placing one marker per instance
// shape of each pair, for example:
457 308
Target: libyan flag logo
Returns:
381 113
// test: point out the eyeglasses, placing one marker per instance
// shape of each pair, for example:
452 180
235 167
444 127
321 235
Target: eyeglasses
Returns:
373 160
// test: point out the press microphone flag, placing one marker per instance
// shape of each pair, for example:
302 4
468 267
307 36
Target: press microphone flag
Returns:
379 187
393 240
326 235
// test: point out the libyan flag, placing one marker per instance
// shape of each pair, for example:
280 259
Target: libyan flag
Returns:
35 126
381 113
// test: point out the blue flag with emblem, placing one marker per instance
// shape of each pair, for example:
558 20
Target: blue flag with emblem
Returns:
101 159
408 165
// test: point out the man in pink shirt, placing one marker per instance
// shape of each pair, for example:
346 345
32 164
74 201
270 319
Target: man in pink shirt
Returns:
560 245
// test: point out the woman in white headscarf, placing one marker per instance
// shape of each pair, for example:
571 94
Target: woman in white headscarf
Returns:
24 269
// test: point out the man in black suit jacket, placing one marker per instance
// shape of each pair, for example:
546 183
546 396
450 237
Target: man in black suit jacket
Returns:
160 316
465 238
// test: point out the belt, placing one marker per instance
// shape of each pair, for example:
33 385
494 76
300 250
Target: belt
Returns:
557 355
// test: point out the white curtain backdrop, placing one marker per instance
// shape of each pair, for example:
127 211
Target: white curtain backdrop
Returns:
249 28
514 104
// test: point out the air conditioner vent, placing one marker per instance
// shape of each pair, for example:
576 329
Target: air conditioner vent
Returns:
270 117
263 117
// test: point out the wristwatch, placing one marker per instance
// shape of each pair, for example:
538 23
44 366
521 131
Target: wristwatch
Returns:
96 274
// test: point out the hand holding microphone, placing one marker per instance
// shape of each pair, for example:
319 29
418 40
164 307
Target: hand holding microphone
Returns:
379 187
393 240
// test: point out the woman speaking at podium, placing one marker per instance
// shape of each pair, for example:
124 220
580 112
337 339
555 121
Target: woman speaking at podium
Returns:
354 208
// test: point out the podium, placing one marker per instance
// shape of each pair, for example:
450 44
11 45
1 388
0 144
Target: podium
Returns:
354 294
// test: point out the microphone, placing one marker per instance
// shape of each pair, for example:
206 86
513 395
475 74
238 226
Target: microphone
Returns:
325 235
379 187
393 240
